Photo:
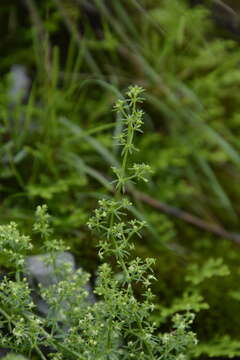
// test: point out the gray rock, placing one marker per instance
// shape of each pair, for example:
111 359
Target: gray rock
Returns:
20 83
39 272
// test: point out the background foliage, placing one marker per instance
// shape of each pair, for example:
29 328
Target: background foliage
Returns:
58 137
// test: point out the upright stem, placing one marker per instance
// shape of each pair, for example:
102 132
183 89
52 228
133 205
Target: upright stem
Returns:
120 189
40 353
144 341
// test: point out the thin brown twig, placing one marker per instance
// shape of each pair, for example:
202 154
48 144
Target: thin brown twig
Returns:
226 7
187 217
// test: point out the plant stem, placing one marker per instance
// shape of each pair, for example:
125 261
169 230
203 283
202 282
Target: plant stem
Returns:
144 341
40 353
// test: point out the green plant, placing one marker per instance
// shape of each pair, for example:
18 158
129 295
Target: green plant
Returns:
118 325
62 135
14 357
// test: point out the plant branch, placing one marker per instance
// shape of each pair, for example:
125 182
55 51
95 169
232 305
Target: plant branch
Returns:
187 217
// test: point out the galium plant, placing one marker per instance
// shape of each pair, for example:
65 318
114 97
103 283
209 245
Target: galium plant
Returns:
118 325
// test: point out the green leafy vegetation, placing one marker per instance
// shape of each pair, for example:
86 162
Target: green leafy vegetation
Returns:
118 325
62 145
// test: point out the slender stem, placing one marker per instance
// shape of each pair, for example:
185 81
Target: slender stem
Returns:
71 351
109 338
40 353
7 317
144 341
5 314
129 142
18 276
120 258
